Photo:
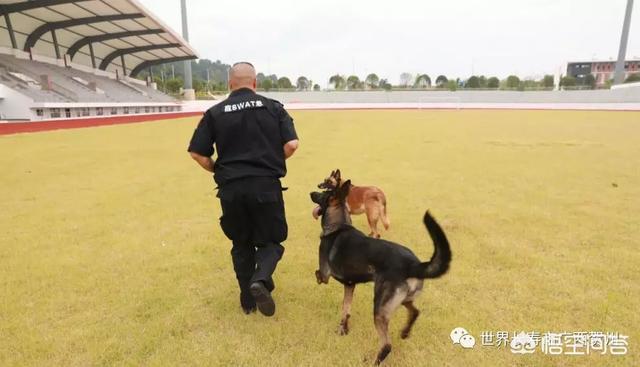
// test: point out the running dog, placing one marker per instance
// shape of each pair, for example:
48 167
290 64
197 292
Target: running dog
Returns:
362 199
350 257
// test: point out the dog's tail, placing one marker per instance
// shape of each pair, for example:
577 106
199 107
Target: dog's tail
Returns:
439 263
385 219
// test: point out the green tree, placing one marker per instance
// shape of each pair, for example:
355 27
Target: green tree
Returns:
316 87
452 85
530 84
260 78
215 72
513 82
353 82
199 85
384 84
303 83
441 80
267 84
405 79
568 81
422 81
338 82
493 83
482 80
160 83
174 85
632 78
372 81
473 82
590 81
284 83
548 81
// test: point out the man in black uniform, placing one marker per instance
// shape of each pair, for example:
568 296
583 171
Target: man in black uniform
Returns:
254 136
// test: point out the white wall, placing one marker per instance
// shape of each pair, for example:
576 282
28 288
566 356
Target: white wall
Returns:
635 86
77 111
626 95
14 105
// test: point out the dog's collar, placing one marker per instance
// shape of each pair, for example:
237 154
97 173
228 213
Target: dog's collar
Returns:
343 222
337 229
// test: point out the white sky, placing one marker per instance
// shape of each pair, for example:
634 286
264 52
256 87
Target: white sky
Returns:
454 37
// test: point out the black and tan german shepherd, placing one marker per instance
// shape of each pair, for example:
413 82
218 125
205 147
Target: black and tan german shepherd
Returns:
351 257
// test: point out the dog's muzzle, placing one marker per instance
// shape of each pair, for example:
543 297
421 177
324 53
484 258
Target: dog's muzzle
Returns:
317 198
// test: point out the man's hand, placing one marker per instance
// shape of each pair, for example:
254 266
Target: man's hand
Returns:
290 148
205 162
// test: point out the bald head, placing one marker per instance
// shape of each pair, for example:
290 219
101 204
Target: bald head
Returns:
242 75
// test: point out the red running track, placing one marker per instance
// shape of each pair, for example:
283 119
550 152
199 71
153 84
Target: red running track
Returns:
32 127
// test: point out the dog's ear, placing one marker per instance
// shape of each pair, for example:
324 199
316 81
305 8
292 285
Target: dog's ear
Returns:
344 189
337 176
333 173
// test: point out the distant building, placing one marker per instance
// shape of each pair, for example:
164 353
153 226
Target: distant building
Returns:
601 70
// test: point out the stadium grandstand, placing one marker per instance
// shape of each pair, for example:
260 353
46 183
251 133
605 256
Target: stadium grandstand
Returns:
73 59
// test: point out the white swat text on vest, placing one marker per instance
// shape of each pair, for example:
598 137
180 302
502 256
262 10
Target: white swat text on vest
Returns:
242 105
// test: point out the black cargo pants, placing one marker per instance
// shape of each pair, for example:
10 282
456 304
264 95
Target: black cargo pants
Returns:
253 218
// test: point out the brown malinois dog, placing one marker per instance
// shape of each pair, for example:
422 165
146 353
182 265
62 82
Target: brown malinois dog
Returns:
350 257
362 199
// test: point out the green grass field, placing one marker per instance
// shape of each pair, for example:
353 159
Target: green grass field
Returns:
111 254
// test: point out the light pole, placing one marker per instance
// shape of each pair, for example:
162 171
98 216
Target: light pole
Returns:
208 79
622 53
189 93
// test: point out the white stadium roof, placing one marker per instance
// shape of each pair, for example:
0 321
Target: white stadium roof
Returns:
112 31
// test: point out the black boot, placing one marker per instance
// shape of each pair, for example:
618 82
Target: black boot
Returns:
247 302
270 285
263 299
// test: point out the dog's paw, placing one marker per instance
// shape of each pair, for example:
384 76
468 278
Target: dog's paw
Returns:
374 235
343 329
320 279
384 352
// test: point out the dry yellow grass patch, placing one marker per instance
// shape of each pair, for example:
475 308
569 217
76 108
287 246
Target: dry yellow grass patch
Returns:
110 251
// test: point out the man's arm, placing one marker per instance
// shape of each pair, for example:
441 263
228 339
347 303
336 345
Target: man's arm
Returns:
287 133
205 162
201 145
290 148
